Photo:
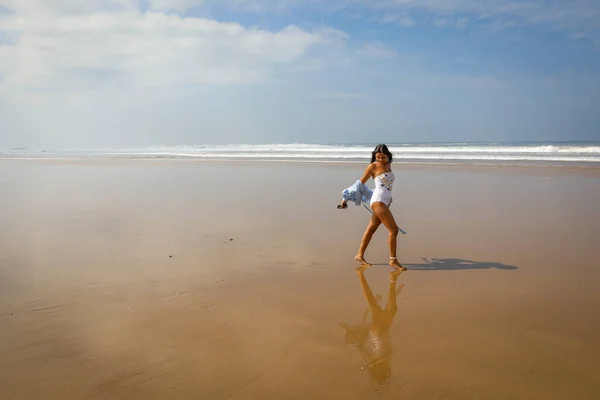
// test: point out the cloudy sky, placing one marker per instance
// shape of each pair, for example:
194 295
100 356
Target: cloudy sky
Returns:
107 73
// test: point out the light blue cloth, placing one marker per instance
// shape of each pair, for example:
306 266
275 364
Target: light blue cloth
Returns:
358 194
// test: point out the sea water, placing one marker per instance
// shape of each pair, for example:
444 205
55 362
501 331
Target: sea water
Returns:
516 153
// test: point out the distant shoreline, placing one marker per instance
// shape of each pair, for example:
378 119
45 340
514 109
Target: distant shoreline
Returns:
473 166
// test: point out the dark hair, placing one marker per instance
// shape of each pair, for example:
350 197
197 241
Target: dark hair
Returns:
381 148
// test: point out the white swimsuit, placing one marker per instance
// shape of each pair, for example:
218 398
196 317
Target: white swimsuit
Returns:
383 188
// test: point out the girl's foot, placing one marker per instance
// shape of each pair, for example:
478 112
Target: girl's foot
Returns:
395 264
362 260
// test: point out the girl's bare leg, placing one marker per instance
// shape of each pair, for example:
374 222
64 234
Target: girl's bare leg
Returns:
385 215
371 228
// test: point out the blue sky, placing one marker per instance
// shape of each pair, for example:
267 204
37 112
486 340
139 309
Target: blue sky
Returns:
120 73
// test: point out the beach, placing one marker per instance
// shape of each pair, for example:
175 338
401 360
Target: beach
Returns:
186 279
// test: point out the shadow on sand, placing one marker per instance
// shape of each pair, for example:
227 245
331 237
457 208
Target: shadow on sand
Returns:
452 264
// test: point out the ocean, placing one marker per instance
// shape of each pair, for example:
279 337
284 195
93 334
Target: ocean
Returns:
523 153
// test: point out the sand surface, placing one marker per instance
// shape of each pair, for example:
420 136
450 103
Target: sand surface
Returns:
196 280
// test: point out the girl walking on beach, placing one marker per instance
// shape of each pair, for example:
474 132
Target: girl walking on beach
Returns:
380 170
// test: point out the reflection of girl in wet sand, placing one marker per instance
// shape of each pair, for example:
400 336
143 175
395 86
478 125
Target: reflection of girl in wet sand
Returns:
373 341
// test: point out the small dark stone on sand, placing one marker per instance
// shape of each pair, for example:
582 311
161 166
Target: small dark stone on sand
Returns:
170 256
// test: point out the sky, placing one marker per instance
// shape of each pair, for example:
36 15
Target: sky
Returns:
135 73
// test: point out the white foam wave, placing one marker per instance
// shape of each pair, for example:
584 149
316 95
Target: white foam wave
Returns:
459 152
339 149
398 157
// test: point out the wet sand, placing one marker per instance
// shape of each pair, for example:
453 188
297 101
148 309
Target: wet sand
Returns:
195 280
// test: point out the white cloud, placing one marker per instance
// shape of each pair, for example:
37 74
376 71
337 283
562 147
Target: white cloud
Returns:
571 15
376 50
76 73
440 21
333 36
61 50
175 5
557 14
401 19
461 23
482 8
501 24
340 95
41 7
